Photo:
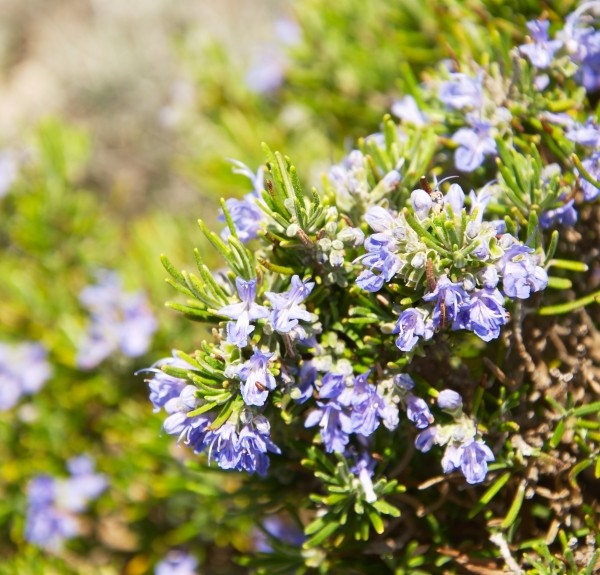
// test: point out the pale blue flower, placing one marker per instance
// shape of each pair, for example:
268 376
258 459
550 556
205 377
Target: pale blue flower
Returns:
587 134
541 51
449 298
119 321
53 504
244 312
287 308
520 273
190 430
592 166
421 203
24 369
407 110
335 423
474 144
256 378
564 215
470 457
484 314
418 411
462 91
254 442
368 407
411 326
177 563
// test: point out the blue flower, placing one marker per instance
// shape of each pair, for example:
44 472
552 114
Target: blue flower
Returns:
52 503
582 42
449 400
254 442
587 134
243 312
462 91
119 320
380 248
592 166
455 198
275 528
246 216
484 314
470 457
368 407
426 439
46 525
335 424
364 469
164 387
286 306
190 430
541 52
222 445
449 299
410 327
418 411
421 203
84 485
520 274
24 369
564 215
256 377
474 144
489 277
407 110
306 382
176 563
333 386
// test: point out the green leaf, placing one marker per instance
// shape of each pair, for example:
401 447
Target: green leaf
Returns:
490 493
386 508
513 512
326 531
570 305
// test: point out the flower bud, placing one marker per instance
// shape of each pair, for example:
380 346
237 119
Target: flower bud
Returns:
449 400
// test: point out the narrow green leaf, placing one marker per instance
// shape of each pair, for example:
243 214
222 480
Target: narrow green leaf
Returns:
584 173
386 508
513 512
328 530
570 305
568 265
172 271
376 521
490 493
558 433
559 283
587 409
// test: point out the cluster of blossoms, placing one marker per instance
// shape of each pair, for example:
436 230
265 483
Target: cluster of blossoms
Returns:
483 259
23 371
578 43
54 504
242 443
320 288
465 451
119 320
